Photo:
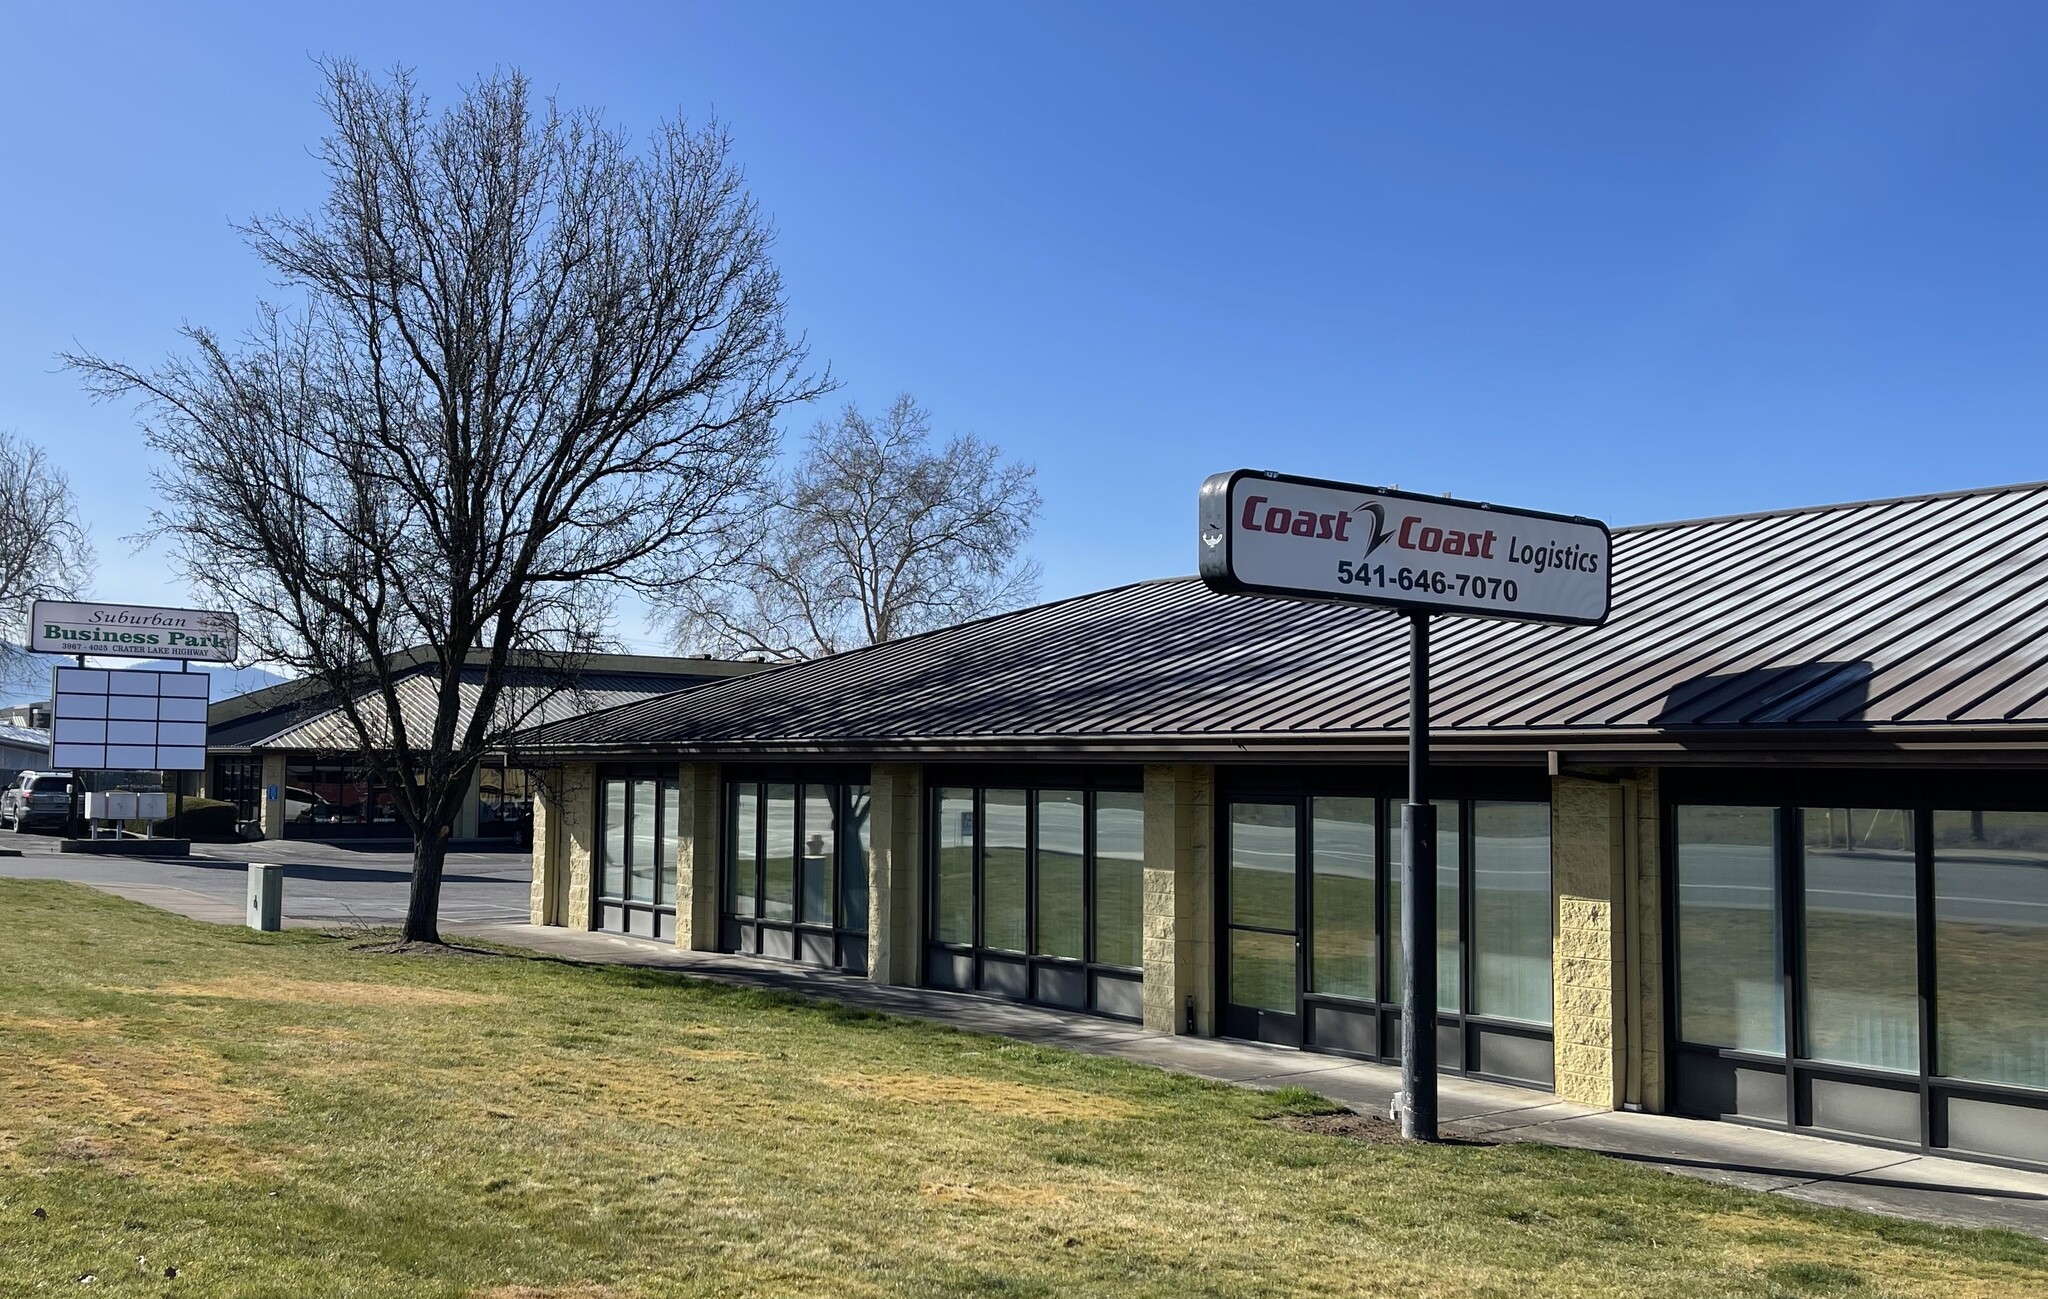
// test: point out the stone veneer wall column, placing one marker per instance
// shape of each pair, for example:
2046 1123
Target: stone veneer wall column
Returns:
1180 892
271 810
564 840
896 874
1588 856
698 834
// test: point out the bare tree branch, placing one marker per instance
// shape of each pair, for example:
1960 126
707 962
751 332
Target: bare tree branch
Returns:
532 364
45 553
875 535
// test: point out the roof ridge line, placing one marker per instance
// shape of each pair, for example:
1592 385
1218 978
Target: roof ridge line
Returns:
1999 489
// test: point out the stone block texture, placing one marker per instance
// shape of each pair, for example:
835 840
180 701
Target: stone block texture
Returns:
1588 852
272 809
564 840
547 822
895 874
1179 926
699 830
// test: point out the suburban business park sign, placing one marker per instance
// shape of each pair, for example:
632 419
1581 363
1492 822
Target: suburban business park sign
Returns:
136 631
1308 538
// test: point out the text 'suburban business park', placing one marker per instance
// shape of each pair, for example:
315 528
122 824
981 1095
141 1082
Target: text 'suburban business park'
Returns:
1770 844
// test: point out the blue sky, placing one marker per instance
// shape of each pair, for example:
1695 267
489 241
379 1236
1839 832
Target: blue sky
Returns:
1639 262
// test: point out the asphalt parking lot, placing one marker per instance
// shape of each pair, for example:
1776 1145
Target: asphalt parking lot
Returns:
324 883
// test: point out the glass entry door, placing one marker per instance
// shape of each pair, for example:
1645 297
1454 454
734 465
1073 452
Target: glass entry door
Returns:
1263 935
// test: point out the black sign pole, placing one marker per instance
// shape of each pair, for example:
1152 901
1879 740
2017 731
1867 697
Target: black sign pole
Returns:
1418 905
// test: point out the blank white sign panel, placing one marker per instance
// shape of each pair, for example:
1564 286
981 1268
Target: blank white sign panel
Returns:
108 720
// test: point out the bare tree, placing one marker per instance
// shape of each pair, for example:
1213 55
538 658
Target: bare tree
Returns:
533 366
876 534
45 552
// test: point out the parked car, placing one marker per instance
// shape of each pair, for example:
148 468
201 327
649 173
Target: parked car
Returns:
37 799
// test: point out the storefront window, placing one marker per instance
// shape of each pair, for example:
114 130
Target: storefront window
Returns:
1032 892
504 802
819 854
636 855
1002 869
1511 974
1448 991
239 781
1342 897
853 872
1730 973
778 855
640 875
743 863
953 882
1991 946
1860 932
1262 900
323 792
612 872
1061 901
1119 878
796 872
665 846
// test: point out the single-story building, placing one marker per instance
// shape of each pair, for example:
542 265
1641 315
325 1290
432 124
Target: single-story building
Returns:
1770 846
288 760
22 748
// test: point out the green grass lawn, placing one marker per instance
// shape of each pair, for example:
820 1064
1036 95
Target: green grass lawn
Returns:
284 1115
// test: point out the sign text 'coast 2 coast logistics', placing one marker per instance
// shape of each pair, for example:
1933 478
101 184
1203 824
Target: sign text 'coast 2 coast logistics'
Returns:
1275 534
135 631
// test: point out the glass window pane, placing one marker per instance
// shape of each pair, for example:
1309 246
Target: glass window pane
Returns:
1446 904
1002 869
1343 897
1730 972
953 903
778 887
1262 866
612 846
820 850
1511 911
640 864
1991 946
853 861
665 845
1859 918
1119 878
1061 817
743 867
1262 970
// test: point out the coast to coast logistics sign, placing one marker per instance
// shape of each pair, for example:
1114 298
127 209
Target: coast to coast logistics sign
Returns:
1307 538
135 631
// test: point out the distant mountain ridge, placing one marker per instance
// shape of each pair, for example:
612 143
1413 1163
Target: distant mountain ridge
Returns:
29 681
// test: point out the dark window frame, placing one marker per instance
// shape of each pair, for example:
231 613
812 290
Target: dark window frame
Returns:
1026 975
1933 1091
660 916
238 779
832 944
1463 1032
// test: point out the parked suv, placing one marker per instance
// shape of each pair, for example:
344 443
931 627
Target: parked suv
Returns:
37 799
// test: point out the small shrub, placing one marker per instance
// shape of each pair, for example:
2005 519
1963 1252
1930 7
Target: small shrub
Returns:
203 818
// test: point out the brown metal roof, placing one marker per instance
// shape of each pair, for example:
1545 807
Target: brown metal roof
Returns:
1921 616
304 717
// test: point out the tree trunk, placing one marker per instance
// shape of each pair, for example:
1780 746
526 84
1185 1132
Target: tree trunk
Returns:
423 905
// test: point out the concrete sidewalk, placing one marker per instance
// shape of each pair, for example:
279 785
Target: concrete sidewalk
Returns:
1898 1183
326 884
